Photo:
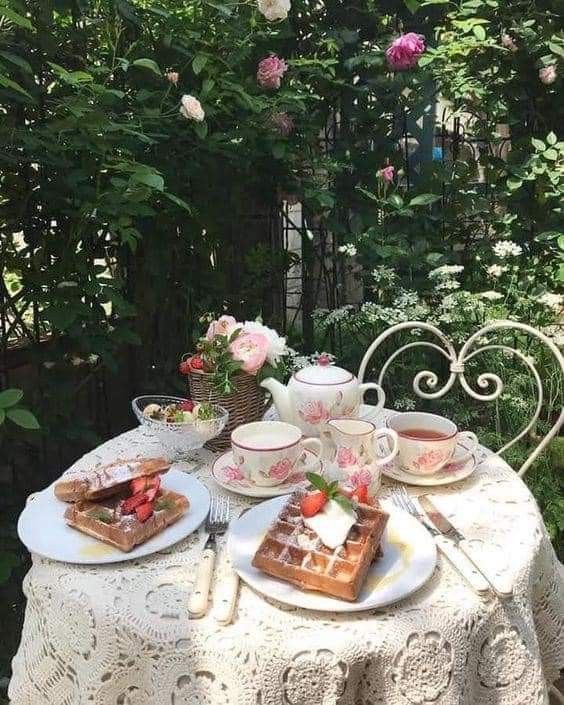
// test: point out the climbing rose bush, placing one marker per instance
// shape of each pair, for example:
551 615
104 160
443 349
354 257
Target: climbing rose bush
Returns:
405 51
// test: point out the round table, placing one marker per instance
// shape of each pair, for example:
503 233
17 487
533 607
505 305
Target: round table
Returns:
120 634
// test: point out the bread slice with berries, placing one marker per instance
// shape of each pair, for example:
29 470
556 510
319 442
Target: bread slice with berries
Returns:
105 480
116 521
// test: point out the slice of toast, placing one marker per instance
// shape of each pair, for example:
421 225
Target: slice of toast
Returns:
105 480
104 520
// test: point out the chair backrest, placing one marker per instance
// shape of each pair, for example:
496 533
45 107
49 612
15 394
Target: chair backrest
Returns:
490 383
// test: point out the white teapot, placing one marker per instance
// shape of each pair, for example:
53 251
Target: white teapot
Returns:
318 393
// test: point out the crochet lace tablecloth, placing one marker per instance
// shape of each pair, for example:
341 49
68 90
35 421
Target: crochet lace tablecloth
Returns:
120 634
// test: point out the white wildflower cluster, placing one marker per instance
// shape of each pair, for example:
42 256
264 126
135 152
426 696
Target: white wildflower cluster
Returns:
323 317
383 275
404 404
460 306
507 248
443 277
496 270
349 249
554 301
405 307
491 295
446 271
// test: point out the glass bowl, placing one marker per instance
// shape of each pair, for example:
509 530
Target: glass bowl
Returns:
179 439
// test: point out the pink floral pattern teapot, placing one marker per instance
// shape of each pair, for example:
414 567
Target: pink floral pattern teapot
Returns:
318 393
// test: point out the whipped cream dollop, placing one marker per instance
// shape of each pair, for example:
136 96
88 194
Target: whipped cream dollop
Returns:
332 524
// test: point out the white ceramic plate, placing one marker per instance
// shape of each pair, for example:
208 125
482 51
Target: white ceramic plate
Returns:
42 528
224 472
453 472
408 561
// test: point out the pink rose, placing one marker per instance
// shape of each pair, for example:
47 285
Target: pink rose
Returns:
548 74
281 469
387 174
314 413
250 349
172 77
346 457
232 473
191 108
404 51
270 71
361 478
224 325
282 123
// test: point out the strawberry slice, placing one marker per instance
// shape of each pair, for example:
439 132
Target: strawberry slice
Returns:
151 494
361 494
144 511
129 505
142 484
312 503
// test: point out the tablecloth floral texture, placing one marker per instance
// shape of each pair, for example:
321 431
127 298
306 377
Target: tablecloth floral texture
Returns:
120 634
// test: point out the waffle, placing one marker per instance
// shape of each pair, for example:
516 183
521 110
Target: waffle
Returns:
293 552
105 480
104 520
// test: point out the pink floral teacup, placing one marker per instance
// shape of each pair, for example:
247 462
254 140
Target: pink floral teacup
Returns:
266 452
427 442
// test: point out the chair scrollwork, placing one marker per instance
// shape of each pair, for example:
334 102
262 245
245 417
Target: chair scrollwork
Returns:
489 385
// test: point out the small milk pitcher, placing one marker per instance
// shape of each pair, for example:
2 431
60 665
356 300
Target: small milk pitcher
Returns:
351 453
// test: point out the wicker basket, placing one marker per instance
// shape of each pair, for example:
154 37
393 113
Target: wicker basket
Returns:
247 403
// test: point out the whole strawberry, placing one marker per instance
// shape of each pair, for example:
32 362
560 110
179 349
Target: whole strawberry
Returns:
196 363
187 405
184 367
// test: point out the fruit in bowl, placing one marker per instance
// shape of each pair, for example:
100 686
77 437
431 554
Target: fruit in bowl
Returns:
181 425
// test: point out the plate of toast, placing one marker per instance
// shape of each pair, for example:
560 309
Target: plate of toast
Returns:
340 560
115 512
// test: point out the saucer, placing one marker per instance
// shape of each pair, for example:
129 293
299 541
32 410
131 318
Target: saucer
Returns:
226 473
453 472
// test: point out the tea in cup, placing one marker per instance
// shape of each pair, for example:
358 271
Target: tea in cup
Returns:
427 442
266 452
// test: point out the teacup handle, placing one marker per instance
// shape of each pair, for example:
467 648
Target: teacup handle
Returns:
474 441
381 393
393 436
313 444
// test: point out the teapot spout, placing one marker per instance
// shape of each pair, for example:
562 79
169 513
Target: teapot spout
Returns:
281 398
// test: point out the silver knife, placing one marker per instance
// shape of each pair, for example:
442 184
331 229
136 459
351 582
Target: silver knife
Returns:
501 586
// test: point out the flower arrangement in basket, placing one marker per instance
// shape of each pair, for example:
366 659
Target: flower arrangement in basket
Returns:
227 366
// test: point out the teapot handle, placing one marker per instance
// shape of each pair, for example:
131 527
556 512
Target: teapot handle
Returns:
381 393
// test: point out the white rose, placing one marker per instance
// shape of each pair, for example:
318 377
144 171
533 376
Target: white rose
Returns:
191 108
274 9
276 344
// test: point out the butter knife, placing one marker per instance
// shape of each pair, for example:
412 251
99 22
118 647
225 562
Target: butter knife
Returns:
500 585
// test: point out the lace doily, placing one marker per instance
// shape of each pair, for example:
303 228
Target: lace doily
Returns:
120 634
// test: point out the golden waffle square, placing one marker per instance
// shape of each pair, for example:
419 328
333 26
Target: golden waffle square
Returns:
104 521
292 552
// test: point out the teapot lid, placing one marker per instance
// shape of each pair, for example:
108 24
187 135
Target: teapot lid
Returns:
323 372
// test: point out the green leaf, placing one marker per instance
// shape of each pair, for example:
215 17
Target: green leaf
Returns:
10 397
424 199
17 61
412 5
278 150
556 48
8 83
551 138
396 200
317 481
23 418
538 144
2 416
148 64
514 183
178 201
201 129
479 32
15 18
343 501
561 242
199 62
551 154
548 235
151 179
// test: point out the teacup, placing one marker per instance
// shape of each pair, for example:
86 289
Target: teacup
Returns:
427 442
267 452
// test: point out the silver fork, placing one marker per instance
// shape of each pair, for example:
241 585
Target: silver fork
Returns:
217 522
450 551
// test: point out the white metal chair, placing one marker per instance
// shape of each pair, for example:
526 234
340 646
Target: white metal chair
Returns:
491 383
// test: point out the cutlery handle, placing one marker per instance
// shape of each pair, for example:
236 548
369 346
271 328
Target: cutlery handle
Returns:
227 599
198 603
463 565
501 585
